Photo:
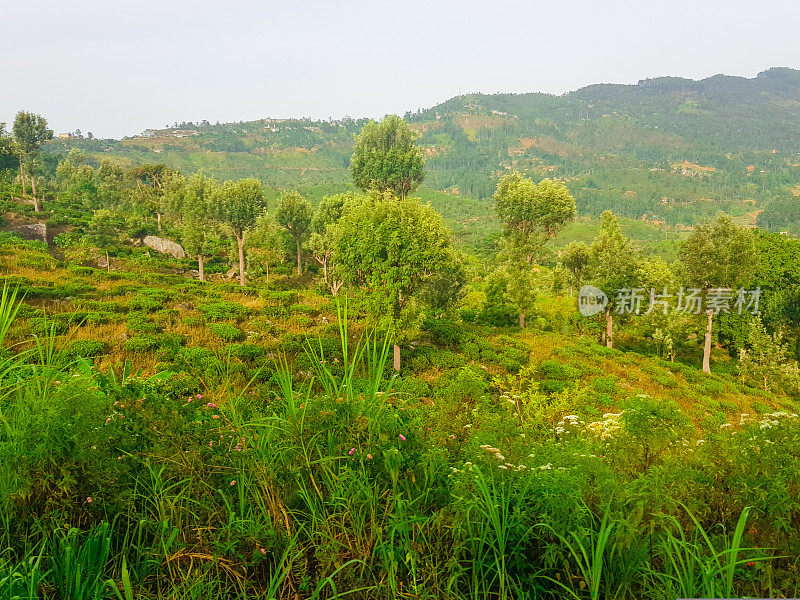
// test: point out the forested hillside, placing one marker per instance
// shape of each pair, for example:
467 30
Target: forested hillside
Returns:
667 150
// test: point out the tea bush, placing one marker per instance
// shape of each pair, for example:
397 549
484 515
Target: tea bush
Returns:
223 311
84 348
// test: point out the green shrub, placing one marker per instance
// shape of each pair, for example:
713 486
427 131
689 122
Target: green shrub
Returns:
84 348
245 351
43 326
141 343
194 321
226 332
303 309
199 360
138 323
223 311
444 331
605 385
553 386
285 297
414 387
552 369
503 315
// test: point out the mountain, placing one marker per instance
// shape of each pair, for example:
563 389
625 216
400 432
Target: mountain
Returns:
667 150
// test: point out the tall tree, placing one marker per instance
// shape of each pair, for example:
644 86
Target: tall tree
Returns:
531 214
265 244
615 264
150 188
238 204
197 223
6 148
719 255
294 214
322 239
387 158
390 249
30 131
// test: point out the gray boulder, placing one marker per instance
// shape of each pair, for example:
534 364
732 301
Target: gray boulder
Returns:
164 246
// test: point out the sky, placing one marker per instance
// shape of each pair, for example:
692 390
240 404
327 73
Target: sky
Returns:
117 67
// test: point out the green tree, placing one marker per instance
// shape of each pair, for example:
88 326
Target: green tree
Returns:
294 214
30 131
531 214
575 259
322 240
6 148
765 359
238 204
387 158
77 180
616 263
265 244
391 249
104 231
150 187
197 223
719 255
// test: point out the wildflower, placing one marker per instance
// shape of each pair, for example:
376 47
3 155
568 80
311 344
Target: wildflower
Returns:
88 498
402 437
199 396
369 456
262 551
215 416
452 437
233 482
211 405
351 451
502 467
750 563
211 444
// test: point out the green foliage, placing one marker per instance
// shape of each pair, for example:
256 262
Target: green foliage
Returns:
226 332
765 361
84 348
386 158
223 311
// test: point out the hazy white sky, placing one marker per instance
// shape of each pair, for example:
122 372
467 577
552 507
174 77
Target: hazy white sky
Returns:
116 67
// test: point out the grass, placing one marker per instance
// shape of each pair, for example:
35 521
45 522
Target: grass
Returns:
304 473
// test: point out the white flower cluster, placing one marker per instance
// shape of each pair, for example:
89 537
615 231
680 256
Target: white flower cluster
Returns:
492 450
767 421
608 427
505 466
568 423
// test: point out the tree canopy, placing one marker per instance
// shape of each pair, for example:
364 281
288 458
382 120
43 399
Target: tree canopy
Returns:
387 158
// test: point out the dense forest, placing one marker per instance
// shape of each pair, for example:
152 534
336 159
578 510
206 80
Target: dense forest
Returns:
509 347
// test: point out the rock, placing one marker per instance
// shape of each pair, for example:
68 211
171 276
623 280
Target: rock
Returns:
164 246
232 273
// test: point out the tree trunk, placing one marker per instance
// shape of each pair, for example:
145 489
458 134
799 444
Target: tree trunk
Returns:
33 193
267 281
201 267
108 262
397 358
609 329
299 258
22 178
707 344
240 240
158 216
522 319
